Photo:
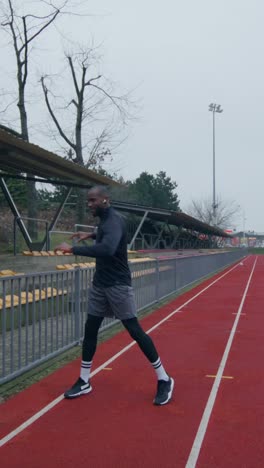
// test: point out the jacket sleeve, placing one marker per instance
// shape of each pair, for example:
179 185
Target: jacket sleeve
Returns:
112 233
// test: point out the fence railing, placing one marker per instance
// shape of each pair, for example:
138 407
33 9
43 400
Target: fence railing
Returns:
43 314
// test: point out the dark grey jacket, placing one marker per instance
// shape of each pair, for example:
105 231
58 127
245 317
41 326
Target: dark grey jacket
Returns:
110 251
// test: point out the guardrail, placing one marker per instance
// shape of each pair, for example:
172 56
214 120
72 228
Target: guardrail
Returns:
43 314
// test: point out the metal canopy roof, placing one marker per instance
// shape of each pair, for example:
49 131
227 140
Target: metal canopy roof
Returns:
18 156
174 218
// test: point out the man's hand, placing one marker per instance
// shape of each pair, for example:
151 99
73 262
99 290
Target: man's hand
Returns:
64 247
80 236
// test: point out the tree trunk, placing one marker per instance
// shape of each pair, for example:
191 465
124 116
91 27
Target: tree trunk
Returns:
22 110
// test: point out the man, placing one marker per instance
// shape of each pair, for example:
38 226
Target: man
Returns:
111 294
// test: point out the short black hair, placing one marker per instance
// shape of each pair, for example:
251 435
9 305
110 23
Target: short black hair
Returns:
102 190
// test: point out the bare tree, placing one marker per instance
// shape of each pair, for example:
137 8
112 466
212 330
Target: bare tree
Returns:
96 115
226 212
24 30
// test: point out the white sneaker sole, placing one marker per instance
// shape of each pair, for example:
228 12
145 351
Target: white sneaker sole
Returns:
82 392
169 395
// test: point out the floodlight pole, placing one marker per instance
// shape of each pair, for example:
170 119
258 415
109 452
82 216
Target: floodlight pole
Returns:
214 108
244 228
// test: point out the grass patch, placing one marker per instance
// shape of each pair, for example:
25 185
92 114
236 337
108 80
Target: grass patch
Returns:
256 251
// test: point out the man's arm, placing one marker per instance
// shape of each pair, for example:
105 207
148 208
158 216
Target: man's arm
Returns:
66 248
80 236
112 233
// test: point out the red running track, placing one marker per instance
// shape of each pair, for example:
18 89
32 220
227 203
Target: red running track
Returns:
116 426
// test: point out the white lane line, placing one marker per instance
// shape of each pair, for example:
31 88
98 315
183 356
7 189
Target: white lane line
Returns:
53 403
194 454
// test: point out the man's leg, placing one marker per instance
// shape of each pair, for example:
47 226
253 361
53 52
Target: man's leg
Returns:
165 383
82 386
92 326
98 308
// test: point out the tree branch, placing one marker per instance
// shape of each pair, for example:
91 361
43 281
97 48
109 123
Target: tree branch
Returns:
73 76
113 99
25 62
11 25
88 83
40 30
61 132
74 102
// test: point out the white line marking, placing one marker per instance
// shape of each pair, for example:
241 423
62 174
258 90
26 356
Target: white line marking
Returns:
194 454
223 376
53 403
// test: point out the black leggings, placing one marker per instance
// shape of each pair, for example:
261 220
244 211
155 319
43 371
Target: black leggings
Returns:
133 327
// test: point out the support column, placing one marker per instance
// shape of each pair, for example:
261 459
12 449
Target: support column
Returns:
137 230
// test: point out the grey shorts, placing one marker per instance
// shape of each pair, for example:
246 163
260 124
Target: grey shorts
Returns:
115 301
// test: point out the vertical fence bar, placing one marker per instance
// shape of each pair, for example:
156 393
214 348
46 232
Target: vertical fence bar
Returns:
4 331
26 323
72 273
12 329
40 317
62 308
67 306
57 310
34 317
46 315
157 278
175 274
77 275
51 311
82 298
19 349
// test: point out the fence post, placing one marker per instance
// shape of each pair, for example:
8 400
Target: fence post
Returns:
175 274
157 280
77 302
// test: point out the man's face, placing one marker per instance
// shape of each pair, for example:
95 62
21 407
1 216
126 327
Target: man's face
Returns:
95 202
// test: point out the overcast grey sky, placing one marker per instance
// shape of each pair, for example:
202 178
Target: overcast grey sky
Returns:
180 56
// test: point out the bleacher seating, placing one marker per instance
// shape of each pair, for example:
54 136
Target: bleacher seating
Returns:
71 266
4 273
30 297
51 253
43 253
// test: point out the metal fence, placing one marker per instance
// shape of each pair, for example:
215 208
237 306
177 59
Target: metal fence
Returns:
43 314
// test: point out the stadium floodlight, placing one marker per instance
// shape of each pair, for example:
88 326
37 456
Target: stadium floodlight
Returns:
214 108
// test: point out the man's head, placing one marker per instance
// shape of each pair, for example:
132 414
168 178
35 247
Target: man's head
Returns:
98 199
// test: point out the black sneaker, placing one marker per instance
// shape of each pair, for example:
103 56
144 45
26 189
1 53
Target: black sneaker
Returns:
164 392
78 389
